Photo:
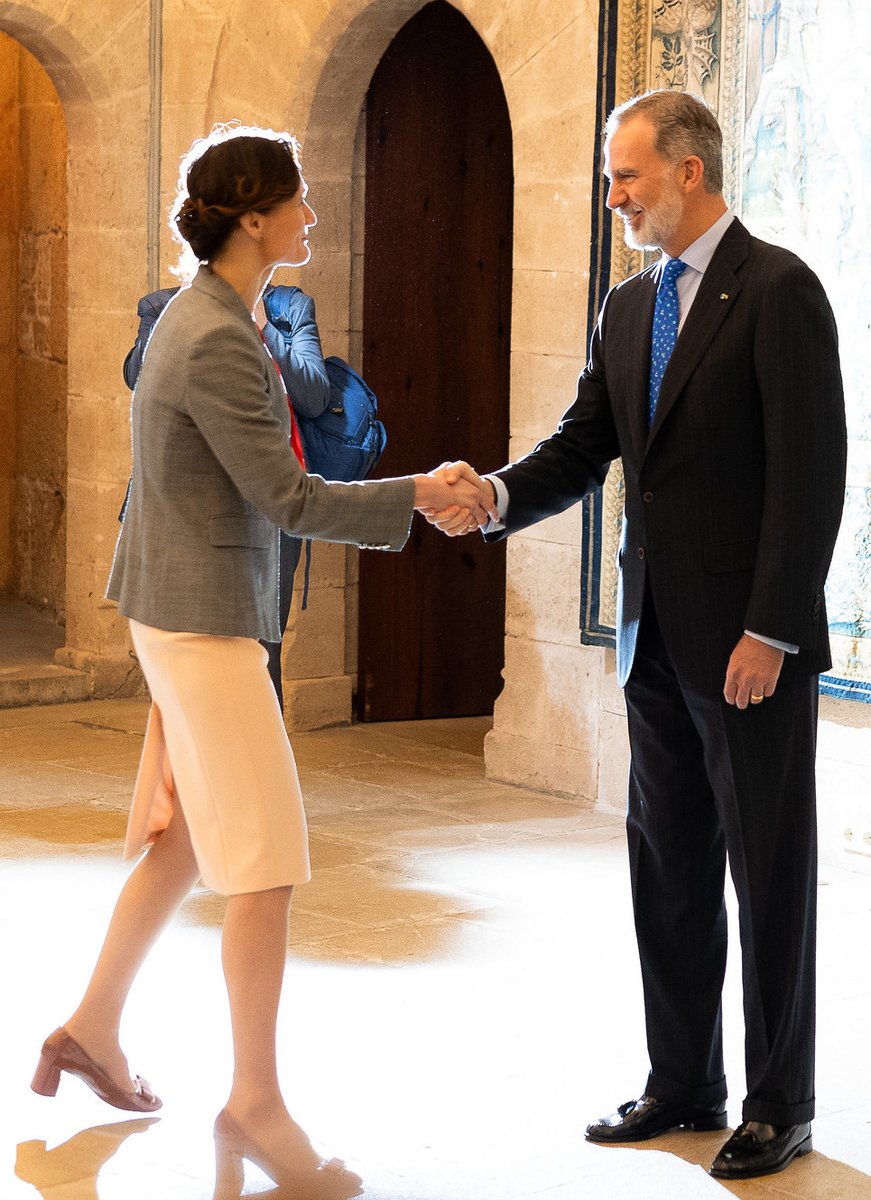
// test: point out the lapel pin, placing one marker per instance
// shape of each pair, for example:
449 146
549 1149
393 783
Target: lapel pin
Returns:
724 295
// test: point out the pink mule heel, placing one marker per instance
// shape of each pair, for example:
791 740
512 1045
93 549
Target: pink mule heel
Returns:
329 1180
61 1053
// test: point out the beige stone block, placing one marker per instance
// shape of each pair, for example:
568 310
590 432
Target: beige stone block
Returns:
612 698
328 279
565 527
43 151
181 123
613 763
556 149
252 65
358 218
548 312
550 120
98 259
358 275
353 349
517 33
190 41
39 544
99 440
99 343
41 419
560 770
314 641
114 674
42 295
89 27
551 694
327 566
542 595
92 525
317 703
117 172
542 388
93 622
331 200
329 145
552 225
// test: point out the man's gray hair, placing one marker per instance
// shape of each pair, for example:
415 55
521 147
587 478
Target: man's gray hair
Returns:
684 125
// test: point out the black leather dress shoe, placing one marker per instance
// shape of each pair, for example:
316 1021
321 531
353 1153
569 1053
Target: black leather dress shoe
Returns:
758 1149
638 1120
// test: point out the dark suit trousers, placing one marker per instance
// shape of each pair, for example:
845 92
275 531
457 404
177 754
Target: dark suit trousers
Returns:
289 552
708 780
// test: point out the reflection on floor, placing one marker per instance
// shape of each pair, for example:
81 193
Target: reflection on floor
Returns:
462 994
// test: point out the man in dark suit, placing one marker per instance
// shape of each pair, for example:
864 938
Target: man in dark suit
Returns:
734 469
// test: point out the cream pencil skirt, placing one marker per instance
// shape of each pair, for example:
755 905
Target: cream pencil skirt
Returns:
216 745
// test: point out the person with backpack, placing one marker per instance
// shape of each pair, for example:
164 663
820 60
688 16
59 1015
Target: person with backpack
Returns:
286 318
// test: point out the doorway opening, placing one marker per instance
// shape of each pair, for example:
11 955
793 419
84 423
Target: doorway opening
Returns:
33 367
436 344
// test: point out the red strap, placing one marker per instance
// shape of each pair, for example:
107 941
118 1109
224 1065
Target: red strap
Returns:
295 439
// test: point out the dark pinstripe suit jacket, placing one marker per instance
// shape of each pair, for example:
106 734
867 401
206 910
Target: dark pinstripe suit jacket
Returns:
734 496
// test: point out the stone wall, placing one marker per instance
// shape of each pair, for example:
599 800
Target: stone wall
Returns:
33 340
10 56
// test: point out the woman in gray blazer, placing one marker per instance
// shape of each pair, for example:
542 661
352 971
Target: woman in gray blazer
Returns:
195 571
295 344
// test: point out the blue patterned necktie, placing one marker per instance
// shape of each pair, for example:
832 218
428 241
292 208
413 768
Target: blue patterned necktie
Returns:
665 323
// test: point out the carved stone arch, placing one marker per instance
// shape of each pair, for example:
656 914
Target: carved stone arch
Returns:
69 63
331 90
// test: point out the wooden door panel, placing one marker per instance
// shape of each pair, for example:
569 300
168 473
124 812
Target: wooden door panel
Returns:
437 294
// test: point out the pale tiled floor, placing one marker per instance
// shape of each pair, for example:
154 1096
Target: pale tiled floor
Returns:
462 993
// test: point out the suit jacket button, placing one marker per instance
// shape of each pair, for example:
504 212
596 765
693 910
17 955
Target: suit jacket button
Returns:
647 497
640 552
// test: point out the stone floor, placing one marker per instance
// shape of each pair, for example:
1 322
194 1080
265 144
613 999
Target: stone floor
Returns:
462 994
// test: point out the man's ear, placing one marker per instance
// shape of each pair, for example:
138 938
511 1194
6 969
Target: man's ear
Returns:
691 173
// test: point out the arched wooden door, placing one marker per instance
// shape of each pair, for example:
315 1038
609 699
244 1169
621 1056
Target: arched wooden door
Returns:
436 327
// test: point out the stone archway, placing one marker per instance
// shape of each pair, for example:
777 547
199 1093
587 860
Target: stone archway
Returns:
327 114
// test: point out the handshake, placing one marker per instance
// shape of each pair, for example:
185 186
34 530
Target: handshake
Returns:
455 499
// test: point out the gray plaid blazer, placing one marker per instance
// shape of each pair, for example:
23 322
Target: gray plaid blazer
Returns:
214 478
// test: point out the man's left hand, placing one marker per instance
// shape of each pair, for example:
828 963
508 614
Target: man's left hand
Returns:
752 673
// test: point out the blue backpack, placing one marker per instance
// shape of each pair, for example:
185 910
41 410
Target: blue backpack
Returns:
347 439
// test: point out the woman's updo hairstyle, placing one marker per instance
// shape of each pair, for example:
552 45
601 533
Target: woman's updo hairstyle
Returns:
236 169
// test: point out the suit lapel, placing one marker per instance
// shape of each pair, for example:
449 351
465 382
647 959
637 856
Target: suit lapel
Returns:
638 356
718 292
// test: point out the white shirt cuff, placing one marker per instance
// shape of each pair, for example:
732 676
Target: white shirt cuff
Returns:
501 503
787 647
